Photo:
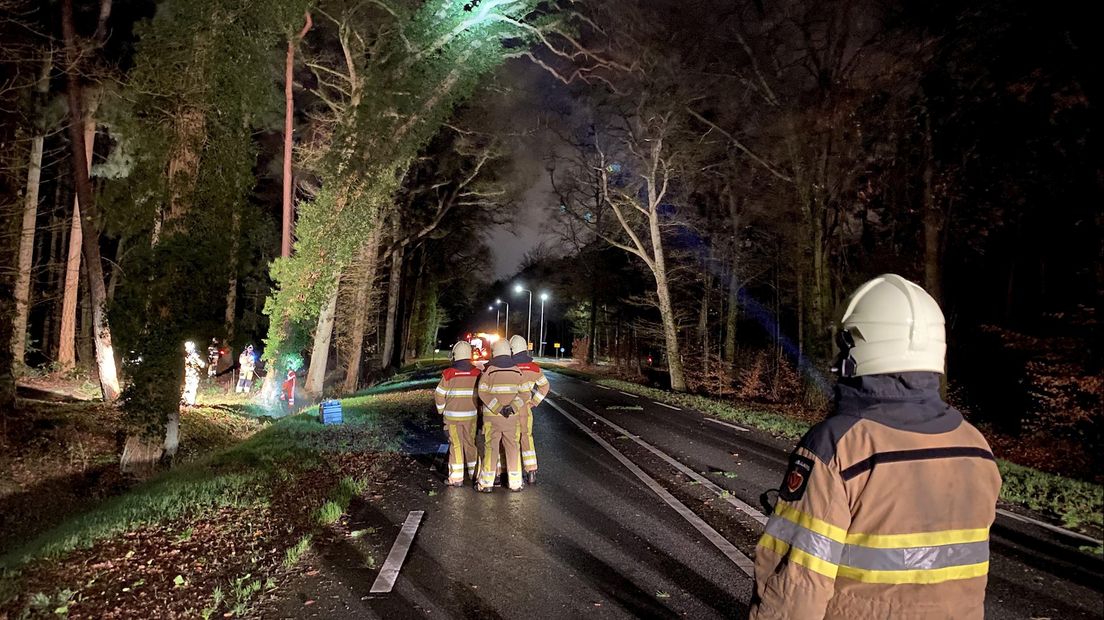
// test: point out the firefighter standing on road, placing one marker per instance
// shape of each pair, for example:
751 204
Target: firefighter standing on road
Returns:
886 506
503 395
457 401
192 365
536 384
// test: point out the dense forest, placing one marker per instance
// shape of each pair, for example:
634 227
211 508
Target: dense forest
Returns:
317 179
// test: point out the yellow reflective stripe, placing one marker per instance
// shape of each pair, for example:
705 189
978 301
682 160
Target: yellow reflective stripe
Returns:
923 539
930 576
809 522
542 380
797 556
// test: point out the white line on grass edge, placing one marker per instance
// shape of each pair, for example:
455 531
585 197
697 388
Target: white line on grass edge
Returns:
702 480
728 549
739 428
628 394
390 571
666 405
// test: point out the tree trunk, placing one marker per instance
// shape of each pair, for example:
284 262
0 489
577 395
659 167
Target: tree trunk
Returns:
369 256
85 357
67 352
231 314
670 334
592 336
320 353
394 289
116 272
289 117
53 280
933 222
414 317
703 317
105 356
30 217
732 314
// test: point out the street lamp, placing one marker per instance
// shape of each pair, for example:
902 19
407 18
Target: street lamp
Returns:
544 298
506 325
498 316
528 322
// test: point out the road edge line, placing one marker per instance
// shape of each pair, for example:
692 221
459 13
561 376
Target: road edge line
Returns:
734 501
728 424
1049 526
723 545
385 581
666 405
628 394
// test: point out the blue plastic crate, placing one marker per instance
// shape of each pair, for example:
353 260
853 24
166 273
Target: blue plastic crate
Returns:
330 412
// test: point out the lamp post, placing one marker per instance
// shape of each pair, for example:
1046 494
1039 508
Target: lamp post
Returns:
506 325
543 298
528 322
498 316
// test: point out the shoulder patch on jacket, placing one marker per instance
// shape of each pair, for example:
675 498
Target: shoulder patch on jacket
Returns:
797 478
823 438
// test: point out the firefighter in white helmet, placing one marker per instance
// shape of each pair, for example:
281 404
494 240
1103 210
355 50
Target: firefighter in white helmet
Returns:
885 509
536 384
458 403
502 391
193 363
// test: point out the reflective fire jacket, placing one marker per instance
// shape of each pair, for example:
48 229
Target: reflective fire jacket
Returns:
455 395
533 379
884 511
501 385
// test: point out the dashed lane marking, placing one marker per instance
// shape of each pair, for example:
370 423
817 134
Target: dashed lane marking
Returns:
628 394
602 386
666 405
739 428
390 571
702 480
728 549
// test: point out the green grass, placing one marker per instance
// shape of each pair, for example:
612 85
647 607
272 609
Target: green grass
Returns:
295 553
241 476
339 500
1075 502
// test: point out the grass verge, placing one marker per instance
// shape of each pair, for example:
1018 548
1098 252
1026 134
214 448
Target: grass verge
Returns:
292 465
1076 503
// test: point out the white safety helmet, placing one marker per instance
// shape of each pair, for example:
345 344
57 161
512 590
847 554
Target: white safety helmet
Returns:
500 348
518 345
890 325
461 351
189 346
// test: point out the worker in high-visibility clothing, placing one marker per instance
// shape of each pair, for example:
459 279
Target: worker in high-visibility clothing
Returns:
457 402
536 384
885 509
502 391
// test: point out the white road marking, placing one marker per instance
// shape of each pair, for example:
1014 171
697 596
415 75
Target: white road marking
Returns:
627 394
731 552
601 386
390 571
1053 528
702 480
739 428
666 405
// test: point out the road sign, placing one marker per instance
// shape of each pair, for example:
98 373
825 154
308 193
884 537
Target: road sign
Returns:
556 346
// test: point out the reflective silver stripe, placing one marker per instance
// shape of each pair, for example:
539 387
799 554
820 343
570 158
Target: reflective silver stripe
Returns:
504 389
461 393
807 540
542 380
441 390
916 558
537 397
460 414
529 453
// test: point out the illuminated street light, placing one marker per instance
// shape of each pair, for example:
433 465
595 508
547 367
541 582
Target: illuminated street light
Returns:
528 322
543 298
506 325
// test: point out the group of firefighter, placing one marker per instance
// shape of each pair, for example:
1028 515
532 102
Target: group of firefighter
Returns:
505 391
194 365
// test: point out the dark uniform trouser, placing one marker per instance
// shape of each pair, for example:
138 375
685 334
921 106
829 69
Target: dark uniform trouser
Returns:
463 454
504 432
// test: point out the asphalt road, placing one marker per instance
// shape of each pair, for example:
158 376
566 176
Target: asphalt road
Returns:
594 539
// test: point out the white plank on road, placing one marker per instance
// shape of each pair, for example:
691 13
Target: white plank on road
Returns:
723 545
390 571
